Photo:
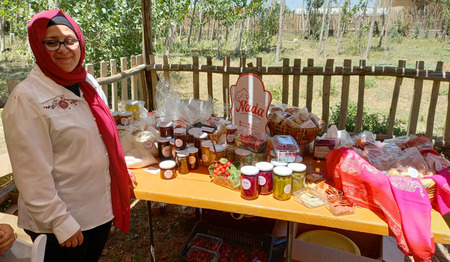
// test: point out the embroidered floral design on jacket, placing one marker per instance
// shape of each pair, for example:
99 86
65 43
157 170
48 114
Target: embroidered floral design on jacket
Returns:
62 103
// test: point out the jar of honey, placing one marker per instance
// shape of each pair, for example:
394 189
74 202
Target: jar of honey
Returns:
206 154
125 118
216 152
115 116
167 169
193 158
183 162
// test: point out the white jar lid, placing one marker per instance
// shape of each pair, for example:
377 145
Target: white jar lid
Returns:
179 130
182 153
297 167
167 164
192 150
206 143
264 166
282 171
219 148
249 170
231 127
163 139
275 162
194 131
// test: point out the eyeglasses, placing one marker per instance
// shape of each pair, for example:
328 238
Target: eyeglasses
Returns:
54 45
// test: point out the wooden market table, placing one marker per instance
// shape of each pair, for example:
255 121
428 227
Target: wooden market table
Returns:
196 190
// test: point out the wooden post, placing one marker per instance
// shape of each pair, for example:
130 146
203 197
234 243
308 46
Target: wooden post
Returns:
134 92
259 66
296 82
90 69
395 96
196 77
114 89
433 102
415 105
147 51
142 91
309 86
154 77
345 94
285 85
447 119
326 91
166 72
123 67
360 105
226 88
104 73
209 78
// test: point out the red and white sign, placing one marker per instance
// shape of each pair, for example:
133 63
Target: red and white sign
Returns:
250 103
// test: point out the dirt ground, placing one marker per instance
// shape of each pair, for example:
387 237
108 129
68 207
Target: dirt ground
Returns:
171 230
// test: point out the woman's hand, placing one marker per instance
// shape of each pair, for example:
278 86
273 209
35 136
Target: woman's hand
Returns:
6 237
75 240
132 179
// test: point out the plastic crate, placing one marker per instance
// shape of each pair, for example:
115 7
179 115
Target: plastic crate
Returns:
246 241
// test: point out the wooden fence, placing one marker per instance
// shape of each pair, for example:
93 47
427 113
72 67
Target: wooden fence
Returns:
295 72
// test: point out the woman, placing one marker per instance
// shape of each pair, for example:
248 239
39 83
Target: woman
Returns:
64 148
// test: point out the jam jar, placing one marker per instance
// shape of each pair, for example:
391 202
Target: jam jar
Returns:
165 129
265 177
249 182
282 182
198 139
164 150
193 158
180 138
216 152
183 161
172 148
115 115
167 169
231 129
206 154
298 176
125 118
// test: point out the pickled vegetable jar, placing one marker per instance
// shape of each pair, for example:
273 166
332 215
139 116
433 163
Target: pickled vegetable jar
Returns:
282 176
298 176
249 182
265 177
183 161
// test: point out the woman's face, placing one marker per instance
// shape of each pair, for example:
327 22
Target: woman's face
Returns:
64 58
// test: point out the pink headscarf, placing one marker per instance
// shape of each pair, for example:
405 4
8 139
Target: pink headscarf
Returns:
120 180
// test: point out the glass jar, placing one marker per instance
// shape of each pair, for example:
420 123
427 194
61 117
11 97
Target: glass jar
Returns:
167 169
276 163
172 148
164 149
115 116
192 132
298 176
265 177
125 118
249 182
231 129
259 157
242 157
180 138
193 158
216 152
165 129
229 152
183 162
134 108
282 182
206 155
198 139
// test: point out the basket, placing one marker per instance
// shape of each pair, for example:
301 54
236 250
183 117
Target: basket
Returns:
430 186
301 135
233 242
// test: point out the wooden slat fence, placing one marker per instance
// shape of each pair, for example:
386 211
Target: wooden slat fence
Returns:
347 72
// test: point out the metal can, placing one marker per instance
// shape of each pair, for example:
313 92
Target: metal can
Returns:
180 138
193 158
298 176
134 108
167 169
164 149
249 182
265 177
183 162
282 176
206 155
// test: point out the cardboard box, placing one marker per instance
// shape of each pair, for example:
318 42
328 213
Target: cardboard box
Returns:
374 248
5 164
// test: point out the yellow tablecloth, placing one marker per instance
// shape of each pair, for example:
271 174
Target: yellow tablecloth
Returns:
195 189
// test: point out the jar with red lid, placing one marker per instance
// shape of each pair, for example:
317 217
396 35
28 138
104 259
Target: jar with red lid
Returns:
265 177
249 182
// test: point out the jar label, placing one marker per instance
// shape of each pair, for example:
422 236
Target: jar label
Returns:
124 121
166 151
230 138
262 180
178 142
246 184
287 189
148 145
192 160
168 173
204 158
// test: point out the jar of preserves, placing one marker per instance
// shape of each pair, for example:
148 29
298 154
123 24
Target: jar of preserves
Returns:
191 134
115 116
282 182
229 152
180 138
298 176
265 177
249 182
206 154
259 157
134 108
125 118
231 129
164 149
216 152
193 158
172 148
242 157
167 169
183 162
165 129
198 139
